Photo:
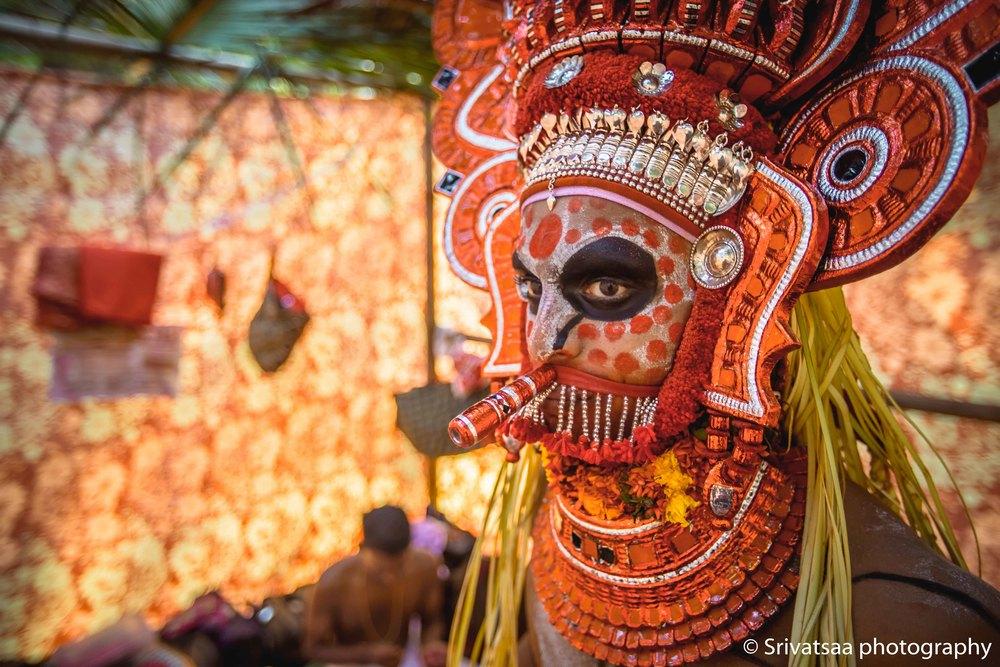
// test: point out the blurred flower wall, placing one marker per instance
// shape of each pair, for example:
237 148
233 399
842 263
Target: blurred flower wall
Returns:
247 482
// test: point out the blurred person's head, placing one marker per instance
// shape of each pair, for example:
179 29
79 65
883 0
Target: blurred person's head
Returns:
386 529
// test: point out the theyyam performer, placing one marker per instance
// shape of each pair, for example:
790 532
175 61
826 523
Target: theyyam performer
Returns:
662 200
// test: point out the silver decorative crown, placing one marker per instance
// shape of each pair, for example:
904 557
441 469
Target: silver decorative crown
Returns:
680 165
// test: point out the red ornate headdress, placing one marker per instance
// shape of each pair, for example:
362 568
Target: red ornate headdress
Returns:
800 145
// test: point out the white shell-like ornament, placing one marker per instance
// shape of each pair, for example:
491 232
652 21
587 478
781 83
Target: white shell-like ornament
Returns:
716 257
564 71
652 79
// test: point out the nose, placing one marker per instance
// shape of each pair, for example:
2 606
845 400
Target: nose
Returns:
551 336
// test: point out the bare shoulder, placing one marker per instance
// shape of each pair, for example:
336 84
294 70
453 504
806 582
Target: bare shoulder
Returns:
423 562
904 589
337 573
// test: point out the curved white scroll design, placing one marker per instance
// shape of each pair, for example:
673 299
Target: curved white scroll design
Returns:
754 406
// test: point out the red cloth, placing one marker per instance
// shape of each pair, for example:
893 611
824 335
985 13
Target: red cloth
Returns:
56 288
118 286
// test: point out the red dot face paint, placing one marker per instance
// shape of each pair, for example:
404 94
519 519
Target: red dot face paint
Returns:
626 363
639 349
641 324
597 356
662 314
614 330
673 293
656 351
546 237
602 226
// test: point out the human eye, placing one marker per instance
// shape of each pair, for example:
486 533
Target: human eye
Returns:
605 292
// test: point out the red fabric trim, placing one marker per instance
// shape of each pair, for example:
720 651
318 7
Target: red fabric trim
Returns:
577 378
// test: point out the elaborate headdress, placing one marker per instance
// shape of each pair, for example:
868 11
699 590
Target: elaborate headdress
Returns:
799 145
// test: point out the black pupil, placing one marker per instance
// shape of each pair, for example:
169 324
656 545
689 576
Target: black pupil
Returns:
608 288
849 164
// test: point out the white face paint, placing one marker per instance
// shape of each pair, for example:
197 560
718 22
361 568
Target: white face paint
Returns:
608 289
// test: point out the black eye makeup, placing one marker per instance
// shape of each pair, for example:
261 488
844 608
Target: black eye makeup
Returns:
529 287
609 279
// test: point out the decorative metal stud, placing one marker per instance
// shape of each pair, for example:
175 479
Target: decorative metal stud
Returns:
731 110
717 257
652 78
564 71
720 499
449 183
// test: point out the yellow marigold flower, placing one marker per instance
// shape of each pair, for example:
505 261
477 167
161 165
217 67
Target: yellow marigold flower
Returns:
595 507
667 471
677 508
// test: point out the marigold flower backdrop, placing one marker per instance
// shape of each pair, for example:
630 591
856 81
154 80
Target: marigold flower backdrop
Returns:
247 482
255 483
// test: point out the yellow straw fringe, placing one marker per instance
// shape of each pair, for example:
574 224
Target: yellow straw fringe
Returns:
834 405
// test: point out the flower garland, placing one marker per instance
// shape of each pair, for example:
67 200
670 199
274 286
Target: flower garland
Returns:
657 490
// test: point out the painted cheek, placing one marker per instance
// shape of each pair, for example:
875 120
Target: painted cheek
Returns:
572 235
614 330
587 331
641 324
601 226
546 237
675 331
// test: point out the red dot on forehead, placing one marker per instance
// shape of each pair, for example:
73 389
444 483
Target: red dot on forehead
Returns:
630 226
575 205
572 235
626 363
656 350
614 330
587 330
601 226
546 237
641 324
672 293
651 239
